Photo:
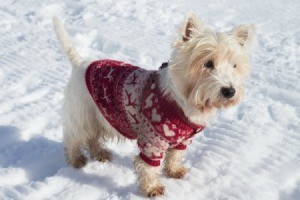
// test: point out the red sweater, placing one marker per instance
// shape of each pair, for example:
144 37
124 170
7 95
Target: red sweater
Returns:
131 101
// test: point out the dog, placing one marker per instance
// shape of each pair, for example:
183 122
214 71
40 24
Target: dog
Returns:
162 109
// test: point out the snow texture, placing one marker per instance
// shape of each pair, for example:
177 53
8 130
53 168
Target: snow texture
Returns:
251 151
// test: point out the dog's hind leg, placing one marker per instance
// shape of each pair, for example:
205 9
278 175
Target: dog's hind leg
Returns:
100 133
73 153
97 149
78 118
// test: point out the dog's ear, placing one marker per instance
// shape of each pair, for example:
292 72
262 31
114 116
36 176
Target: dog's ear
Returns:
191 27
244 34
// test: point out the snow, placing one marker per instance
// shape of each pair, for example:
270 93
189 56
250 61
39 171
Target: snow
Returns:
251 151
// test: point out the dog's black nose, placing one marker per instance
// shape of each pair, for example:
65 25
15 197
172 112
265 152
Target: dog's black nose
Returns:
228 92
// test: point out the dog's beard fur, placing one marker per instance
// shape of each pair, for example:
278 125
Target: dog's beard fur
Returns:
197 88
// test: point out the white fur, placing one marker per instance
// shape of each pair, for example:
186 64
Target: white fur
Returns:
148 177
66 43
81 119
195 88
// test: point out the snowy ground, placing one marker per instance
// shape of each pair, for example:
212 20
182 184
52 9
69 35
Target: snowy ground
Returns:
249 152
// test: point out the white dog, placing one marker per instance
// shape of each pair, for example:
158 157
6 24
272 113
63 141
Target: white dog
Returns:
162 109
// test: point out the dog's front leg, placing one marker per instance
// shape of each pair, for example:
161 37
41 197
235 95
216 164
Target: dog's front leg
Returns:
148 178
173 167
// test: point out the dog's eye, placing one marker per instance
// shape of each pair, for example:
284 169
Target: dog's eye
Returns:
234 66
210 64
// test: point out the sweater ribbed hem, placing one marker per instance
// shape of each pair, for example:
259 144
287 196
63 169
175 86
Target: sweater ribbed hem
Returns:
180 147
153 163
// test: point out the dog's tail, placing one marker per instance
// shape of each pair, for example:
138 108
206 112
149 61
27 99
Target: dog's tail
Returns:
66 43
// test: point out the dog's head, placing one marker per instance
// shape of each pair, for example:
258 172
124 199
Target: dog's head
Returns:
207 68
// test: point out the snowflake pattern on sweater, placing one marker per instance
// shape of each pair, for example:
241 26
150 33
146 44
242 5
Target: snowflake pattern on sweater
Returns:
130 100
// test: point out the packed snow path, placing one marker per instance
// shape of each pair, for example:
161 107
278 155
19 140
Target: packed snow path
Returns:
249 152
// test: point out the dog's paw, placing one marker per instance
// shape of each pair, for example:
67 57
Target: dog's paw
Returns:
156 191
79 162
104 156
177 173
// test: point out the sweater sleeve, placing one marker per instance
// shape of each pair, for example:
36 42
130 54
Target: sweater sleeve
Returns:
152 148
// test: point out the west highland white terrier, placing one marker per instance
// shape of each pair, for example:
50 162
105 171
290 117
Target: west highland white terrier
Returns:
162 109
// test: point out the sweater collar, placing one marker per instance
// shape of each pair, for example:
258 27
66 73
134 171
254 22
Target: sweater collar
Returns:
169 106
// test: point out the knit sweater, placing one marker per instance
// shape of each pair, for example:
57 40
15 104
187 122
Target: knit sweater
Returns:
131 101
